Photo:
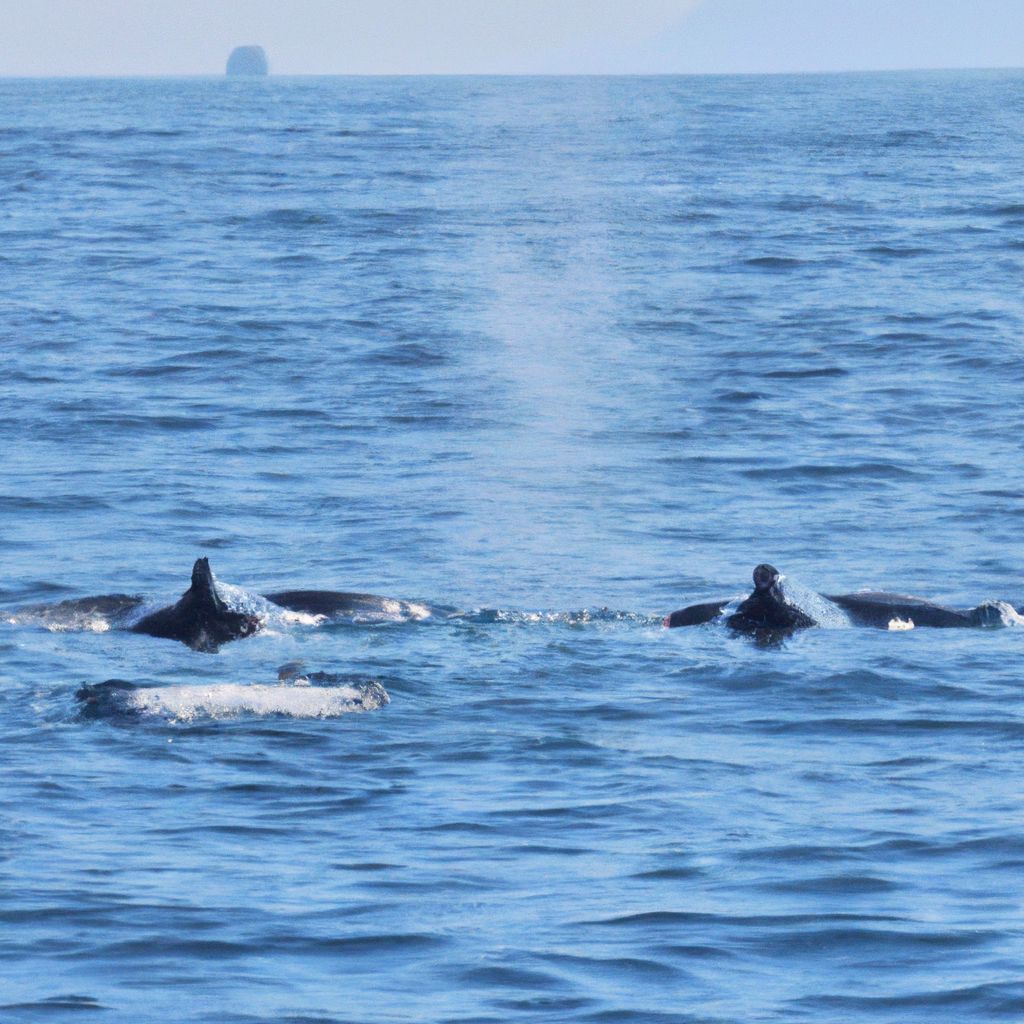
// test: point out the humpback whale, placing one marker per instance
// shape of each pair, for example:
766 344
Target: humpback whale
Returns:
769 607
209 614
200 618
774 606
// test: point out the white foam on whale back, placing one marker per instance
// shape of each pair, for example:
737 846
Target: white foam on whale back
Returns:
246 602
229 700
811 603
997 614
91 623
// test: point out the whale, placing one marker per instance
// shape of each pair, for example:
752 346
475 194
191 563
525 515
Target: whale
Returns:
768 607
98 613
304 695
210 614
333 604
200 618
775 606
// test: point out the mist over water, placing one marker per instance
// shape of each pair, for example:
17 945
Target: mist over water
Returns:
563 355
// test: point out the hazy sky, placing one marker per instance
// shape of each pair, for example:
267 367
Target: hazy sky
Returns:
181 37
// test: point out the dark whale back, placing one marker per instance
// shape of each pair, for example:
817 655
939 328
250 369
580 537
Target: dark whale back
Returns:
200 619
334 604
328 602
877 608
106 700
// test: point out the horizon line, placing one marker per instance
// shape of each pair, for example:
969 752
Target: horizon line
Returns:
193 75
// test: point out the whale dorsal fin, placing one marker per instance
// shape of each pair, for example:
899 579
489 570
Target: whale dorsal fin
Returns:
202 583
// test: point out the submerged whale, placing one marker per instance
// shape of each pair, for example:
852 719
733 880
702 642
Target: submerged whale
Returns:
300 695
777 605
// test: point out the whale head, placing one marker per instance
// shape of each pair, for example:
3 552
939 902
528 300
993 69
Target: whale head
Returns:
765 577
770 606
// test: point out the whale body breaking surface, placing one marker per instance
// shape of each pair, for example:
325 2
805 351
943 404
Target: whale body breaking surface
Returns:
210 613
779 604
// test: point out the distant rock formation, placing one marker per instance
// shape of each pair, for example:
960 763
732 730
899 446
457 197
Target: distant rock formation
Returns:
248 60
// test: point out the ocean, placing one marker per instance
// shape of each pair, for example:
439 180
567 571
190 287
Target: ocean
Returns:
566 354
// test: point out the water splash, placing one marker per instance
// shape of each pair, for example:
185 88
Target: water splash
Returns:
996 615
582 617
811 603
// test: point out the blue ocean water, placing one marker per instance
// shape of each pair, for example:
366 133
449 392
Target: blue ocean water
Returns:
578 351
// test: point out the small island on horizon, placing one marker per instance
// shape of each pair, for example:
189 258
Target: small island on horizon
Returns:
248 60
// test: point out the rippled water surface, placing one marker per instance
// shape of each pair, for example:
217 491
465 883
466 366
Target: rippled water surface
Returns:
570 353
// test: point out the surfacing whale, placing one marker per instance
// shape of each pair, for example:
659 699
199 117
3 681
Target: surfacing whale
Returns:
775 605
210 614
769 607
200 618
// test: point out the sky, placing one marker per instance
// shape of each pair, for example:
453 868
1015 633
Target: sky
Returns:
194 37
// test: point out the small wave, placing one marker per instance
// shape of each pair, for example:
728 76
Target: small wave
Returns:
1003 210
822 371
976 1002
286 217
870 470
649 918
914 136
353 944
498 976
842 885
739 397
897 251
55 1003
775 262
583 617
633 967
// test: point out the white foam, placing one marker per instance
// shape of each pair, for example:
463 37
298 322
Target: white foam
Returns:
900 625
300 618
244 601
78 624
390 610
228 700
997 614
